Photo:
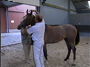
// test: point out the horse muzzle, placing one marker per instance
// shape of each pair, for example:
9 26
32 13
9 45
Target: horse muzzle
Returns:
19 27
22 25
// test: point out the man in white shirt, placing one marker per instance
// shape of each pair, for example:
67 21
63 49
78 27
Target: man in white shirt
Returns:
37 32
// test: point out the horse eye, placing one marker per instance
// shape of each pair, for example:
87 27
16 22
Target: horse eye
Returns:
26 20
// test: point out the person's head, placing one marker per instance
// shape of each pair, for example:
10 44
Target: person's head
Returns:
38 18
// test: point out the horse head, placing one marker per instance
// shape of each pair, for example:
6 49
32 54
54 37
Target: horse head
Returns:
28 19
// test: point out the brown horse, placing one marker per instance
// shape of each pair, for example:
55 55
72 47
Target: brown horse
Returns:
54 34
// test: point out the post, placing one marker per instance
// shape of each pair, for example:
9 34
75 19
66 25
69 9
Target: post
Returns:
7 20
68 11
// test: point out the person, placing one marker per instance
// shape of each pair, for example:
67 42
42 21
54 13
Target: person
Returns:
37 32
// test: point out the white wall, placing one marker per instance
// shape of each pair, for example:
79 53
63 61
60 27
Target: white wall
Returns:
72 7
62 3
22 8
55 16
30 2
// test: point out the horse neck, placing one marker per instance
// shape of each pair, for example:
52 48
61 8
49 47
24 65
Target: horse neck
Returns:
22 30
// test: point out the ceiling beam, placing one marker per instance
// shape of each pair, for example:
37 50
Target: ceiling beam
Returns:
84 5
83 9
80 1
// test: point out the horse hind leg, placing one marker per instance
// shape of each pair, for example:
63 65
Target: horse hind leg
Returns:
74 53
69 49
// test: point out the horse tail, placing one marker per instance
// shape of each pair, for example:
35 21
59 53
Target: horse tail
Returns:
77 38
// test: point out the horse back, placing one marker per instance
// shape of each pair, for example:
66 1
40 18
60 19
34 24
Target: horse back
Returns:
54 34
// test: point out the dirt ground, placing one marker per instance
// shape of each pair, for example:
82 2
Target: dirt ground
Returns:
14 56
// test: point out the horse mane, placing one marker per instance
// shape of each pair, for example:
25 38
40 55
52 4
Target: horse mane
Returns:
23 16
54 25
45 27
50 25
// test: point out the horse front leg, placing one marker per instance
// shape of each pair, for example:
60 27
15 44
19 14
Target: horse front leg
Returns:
45 53
69 49
68 55
26 49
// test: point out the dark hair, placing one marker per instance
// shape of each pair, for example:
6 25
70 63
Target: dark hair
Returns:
38 18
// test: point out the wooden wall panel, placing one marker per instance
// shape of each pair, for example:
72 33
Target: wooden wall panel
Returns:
15 18
3 20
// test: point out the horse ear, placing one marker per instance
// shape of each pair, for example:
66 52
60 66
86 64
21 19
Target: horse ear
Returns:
27 11
31 13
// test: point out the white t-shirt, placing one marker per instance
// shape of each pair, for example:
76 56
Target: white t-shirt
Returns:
37 31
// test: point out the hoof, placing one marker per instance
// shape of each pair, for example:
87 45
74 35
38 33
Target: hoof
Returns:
73 64
27 61
65 59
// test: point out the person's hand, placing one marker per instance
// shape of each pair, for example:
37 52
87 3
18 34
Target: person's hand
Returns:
33 10
28 26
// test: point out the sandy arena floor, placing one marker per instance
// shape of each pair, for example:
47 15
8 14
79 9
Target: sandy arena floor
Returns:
14 57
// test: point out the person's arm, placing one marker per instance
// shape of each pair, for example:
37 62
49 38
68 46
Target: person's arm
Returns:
37 13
